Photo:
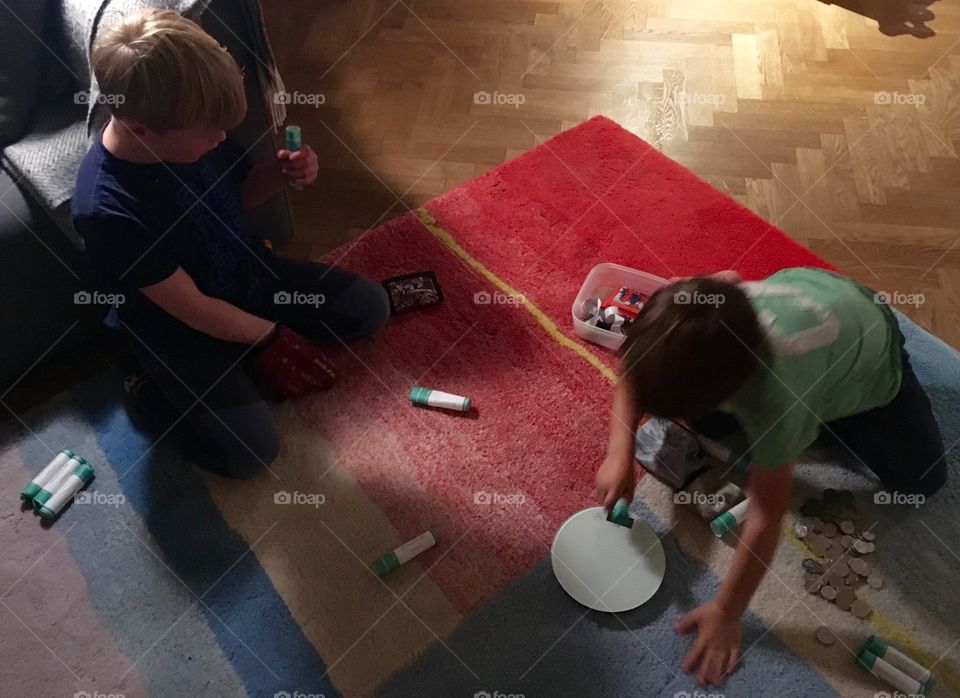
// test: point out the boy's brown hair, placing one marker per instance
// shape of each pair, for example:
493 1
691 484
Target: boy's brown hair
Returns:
693 345
167 72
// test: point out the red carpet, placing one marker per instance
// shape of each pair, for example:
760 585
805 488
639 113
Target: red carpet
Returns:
541 409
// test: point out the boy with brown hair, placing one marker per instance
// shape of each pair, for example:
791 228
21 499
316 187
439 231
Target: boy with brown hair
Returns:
159 202
779 359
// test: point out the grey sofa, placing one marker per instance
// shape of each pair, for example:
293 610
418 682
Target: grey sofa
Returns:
42 67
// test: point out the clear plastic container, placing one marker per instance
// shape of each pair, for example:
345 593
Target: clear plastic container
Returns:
603 280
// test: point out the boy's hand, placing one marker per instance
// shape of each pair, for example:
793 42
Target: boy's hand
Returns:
298 167
615 479
715 651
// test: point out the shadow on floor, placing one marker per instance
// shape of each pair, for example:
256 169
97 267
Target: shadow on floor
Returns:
895 17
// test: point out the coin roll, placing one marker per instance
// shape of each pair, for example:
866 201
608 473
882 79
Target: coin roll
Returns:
437 398
887 672
52 468
883 650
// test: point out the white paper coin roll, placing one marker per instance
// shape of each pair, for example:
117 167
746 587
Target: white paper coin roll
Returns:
385 564
74 482
890 654
54 483
889 673
437 398
43 477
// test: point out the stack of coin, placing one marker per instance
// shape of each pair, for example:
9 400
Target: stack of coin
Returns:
837 569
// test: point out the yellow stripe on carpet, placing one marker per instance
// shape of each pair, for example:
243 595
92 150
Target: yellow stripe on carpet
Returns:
892 631
431 224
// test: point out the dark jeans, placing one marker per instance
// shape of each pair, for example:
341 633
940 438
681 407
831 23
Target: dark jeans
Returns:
220 417
900 442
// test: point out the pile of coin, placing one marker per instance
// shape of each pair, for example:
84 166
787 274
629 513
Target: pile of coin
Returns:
836 570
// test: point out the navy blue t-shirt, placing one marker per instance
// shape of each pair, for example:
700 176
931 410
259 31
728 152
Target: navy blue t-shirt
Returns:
142 221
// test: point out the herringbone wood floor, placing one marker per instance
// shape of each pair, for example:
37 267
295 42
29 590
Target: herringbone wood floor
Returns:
843 135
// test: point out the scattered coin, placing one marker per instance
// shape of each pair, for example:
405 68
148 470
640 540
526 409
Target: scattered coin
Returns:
875 581
825 635
845 597
860 566
868 536
835 551
862 547
818 545
829 530
860 609
828 592
800 530
848 527
812 566
815 524
853 580
812 582
846 542
836 579
871 547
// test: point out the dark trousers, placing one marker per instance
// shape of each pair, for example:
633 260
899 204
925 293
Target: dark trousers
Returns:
204 394
900 442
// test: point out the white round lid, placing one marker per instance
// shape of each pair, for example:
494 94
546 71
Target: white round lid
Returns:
606 566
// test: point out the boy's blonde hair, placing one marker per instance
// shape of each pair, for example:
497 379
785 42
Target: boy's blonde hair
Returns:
170 73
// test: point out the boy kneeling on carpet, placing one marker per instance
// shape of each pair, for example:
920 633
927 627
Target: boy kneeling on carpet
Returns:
778 359
159 201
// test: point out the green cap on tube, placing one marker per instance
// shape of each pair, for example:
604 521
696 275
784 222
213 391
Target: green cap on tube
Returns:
866 659
385 564
292 138
620 514
722 524
29 492
875 645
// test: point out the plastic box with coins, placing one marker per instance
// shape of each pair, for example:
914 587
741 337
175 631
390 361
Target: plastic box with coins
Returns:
603 280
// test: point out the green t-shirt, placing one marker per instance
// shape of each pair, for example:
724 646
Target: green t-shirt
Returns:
832 351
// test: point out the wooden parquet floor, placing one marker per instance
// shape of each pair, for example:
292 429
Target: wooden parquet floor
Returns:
845 136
